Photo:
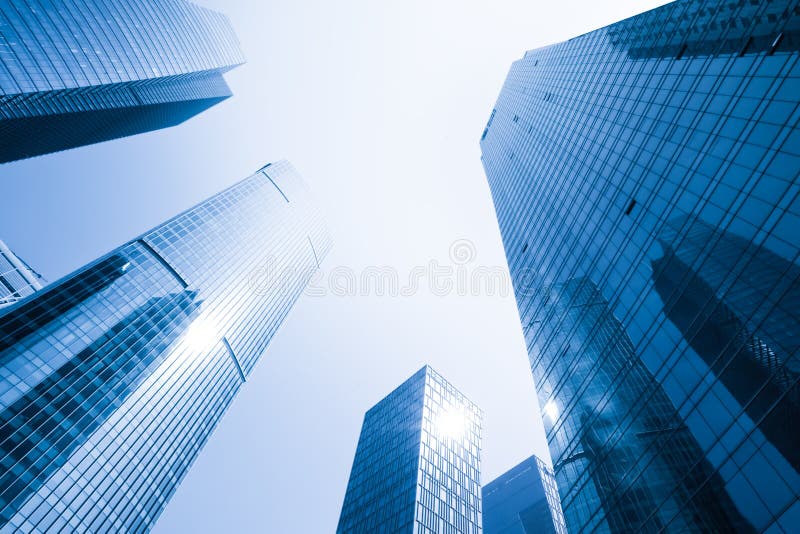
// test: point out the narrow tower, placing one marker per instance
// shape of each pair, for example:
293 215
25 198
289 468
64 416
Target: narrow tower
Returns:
417 465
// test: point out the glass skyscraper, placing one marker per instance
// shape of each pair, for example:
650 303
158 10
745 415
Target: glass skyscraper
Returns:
76 73
645 178
113 377
417 465
17 279
523 500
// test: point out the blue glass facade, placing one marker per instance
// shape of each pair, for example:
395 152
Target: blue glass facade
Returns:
72 73
417 465
17 279
114 377
523 500
647 472
645 178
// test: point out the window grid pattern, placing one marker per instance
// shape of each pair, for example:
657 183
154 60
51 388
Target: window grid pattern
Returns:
114 377
78 73
598 381
658 160
381 491
17 279
449 488
417 464
548 478
523 500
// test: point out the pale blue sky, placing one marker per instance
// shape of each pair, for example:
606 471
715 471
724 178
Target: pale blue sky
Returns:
380 105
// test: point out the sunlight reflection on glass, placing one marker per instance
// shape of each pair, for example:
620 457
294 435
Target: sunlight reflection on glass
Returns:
551 410
201 335
452 423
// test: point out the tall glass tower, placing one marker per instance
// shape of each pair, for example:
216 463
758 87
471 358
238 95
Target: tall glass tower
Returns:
417 465
645 178
523 500
73 74
17 279
114 377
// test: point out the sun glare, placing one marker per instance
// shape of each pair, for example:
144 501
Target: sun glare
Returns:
201 335
551 409
452 423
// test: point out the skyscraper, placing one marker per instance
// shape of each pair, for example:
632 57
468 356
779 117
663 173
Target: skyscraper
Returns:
746 341
17 279
114 377
417 465
73 74
645 178
636 457
523 500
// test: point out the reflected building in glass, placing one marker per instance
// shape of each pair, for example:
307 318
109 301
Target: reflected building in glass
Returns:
73 74
17 279
645 178
417 465
632 452
114 377
523 500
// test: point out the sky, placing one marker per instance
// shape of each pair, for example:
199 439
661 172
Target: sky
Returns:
380 106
